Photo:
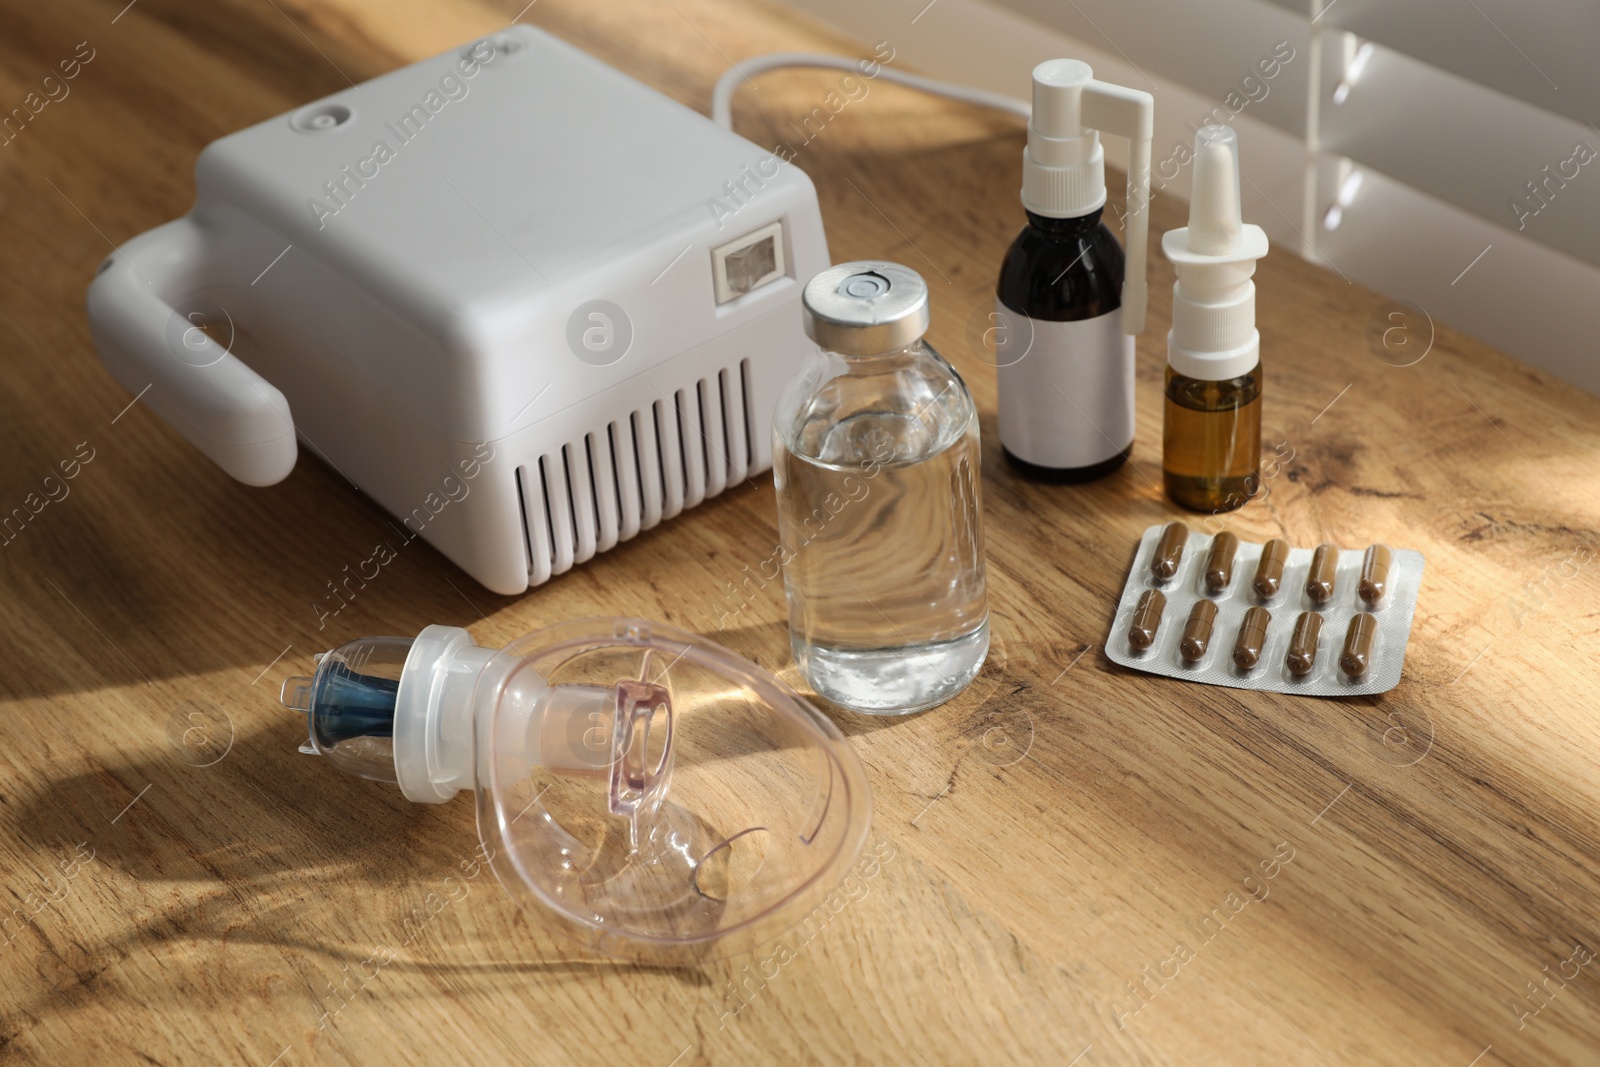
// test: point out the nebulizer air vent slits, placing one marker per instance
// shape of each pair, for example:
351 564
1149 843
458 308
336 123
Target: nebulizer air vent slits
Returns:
628 475
639 788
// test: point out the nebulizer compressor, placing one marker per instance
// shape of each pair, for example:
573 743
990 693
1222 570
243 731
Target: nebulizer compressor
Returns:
639 789
499 260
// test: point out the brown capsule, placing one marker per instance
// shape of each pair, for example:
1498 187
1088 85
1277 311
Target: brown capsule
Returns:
1146 618
1219 564
1169 550
1303 645
1269 571
1375 574
1252 638
1319 580
1197 631
1357 654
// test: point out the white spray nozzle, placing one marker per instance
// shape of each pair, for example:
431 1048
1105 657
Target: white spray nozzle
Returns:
1063 167
1215 225
1214 335
1057 97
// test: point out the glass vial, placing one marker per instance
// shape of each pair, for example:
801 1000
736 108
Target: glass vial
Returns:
1211 447
876 460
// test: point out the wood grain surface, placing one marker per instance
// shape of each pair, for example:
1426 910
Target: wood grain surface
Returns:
1071 863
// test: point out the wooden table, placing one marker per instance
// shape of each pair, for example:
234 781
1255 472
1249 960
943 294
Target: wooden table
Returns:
186 888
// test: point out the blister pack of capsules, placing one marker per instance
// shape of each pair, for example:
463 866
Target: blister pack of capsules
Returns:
1320 621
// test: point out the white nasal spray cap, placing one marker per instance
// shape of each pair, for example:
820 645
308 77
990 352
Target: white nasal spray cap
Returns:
1063 166
1214 336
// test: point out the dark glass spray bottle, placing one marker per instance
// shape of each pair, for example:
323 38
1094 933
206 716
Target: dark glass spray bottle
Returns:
1067 304
1211 448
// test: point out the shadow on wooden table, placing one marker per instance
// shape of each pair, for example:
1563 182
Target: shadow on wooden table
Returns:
270 850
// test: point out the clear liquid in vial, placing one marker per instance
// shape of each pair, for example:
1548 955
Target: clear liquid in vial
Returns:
881 524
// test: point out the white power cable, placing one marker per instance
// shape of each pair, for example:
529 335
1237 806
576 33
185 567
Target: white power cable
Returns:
728 84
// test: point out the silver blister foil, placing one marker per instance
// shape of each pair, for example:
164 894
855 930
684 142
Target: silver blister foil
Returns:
1394 614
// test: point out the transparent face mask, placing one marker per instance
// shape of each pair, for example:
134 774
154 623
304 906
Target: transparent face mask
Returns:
640 789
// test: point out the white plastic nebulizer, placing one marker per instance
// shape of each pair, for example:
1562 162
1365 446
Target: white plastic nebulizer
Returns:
640 789
524 302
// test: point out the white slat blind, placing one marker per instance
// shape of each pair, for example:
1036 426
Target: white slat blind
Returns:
1445 152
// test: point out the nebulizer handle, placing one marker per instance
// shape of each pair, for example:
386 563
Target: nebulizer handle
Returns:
197 385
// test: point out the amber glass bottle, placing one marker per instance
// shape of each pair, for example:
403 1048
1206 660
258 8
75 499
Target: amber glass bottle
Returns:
1066 407
1211 458
1211 454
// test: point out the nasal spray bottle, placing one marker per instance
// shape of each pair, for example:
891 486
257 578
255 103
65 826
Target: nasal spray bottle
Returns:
1064 353
1211 452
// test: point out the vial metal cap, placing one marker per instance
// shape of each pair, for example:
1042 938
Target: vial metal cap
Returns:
866 307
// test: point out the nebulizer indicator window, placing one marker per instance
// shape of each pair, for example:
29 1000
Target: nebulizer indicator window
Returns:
749 262
638 788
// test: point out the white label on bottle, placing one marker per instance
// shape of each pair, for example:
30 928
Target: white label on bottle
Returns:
1066 389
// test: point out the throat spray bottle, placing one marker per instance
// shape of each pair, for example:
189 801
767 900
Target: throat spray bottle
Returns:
1211 452
1066 310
